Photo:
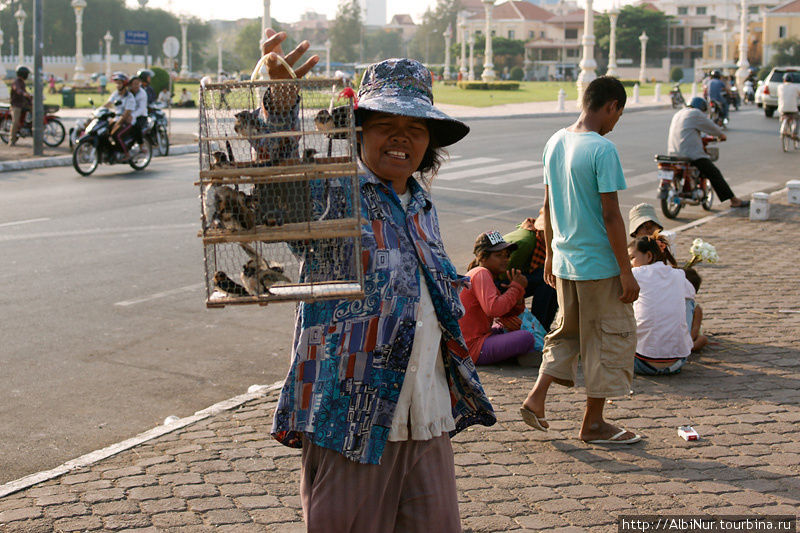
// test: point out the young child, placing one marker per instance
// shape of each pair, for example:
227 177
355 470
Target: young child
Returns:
663 341
587 262
490 342
694 313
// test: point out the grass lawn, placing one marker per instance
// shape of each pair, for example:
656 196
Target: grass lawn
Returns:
531 91
82 99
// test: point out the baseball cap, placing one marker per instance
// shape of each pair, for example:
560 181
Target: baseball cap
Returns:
491 241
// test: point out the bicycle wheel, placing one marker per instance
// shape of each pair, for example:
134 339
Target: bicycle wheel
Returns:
54 132
5 130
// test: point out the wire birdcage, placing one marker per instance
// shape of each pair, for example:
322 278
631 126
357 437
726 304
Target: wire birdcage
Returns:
279 192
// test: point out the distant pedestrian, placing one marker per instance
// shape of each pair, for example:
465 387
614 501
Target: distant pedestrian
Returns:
51 83
587 262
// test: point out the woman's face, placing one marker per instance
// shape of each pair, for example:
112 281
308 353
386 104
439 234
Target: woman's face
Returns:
392 146
639 258
496 262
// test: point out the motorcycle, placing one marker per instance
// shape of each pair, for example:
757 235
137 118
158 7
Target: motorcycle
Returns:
157 126
97 146
676 96
749 92
733 98
717 114
680 182
54 132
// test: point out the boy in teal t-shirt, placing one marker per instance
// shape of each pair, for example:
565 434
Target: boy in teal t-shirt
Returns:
587 262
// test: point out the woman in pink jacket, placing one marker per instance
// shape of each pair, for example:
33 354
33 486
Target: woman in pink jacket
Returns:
491 324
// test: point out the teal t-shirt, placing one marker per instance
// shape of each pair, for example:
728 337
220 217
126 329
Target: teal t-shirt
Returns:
577 168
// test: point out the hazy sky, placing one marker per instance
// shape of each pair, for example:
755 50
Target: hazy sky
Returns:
290 10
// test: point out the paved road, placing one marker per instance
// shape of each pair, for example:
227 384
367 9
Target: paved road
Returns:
104 331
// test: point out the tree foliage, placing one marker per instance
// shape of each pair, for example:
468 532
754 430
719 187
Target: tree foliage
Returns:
98 17
630 24
428 42
787 52
346 32
383 44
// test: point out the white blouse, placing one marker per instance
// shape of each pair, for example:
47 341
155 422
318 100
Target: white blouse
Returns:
423 409
661 328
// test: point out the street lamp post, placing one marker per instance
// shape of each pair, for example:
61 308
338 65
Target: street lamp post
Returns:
448 34
471 41
20 15
1 51
587 64
184 22
725 43
266 20
643 38
219 59
613 13
462 24
328 58
743 72
108 38
79 6
488 73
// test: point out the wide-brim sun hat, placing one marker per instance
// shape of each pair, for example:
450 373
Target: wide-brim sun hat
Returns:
403 87
641 213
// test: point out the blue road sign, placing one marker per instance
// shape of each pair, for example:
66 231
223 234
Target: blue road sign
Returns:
137 37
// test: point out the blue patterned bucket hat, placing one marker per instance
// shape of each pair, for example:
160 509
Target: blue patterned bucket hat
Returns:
403 87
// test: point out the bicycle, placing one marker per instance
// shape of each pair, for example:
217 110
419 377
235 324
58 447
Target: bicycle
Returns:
789 132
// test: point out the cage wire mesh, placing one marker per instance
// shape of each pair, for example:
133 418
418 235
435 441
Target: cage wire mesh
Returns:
279 192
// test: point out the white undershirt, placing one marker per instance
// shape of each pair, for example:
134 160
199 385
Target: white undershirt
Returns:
424 402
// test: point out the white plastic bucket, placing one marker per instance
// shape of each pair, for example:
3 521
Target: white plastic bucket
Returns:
793 191
759 206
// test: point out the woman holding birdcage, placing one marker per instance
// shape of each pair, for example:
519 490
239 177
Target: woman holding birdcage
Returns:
378 385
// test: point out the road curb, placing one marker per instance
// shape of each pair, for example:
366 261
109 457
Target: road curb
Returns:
66 160
254 392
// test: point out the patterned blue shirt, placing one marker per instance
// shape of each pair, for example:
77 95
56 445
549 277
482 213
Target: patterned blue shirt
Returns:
350 357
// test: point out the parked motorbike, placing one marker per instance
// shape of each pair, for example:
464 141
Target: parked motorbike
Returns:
676 96
680 182
717 114
97 146
54 132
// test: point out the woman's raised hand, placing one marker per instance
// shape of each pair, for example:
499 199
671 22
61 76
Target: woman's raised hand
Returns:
515 274
271 47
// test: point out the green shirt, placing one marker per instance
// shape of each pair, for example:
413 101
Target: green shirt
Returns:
526 243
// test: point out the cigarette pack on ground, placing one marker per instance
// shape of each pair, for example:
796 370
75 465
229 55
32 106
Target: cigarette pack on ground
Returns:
688 433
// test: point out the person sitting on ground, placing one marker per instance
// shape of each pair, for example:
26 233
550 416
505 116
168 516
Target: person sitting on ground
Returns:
186 99
643 221
491 323
529 258
684 140
663 342
694 313
164 97
787 103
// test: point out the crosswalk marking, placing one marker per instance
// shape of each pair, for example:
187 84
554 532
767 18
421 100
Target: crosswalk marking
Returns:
540 184
482 171
641 179
530 174
472 161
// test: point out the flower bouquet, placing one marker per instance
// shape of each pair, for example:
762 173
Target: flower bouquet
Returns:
702 251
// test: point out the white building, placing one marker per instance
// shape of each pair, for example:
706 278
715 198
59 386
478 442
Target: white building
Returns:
373 12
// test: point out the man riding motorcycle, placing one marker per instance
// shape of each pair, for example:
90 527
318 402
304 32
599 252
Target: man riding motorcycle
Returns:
21 102
718 92
684 140
146 75
124 104
139 115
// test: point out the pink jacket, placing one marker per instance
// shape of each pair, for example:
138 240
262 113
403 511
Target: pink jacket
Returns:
482 304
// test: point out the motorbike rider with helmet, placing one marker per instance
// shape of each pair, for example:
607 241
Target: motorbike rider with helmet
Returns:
718 92
146 76
124 104
21 102
139 115
685 140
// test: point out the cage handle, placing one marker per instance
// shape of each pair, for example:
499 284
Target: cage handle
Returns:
263 61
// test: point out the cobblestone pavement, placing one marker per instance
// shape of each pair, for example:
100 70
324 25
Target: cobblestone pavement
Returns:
225 474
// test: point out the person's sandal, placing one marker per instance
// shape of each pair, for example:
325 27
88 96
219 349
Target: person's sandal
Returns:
744 205
530 418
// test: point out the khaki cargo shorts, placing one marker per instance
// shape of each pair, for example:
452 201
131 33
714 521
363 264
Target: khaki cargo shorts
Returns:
592 324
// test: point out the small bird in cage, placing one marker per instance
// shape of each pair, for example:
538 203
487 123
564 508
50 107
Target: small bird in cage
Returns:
258 276
267 151
233 209
225 284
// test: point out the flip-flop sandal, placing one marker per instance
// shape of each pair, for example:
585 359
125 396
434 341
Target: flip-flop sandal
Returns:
615 439
743 205
530 418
